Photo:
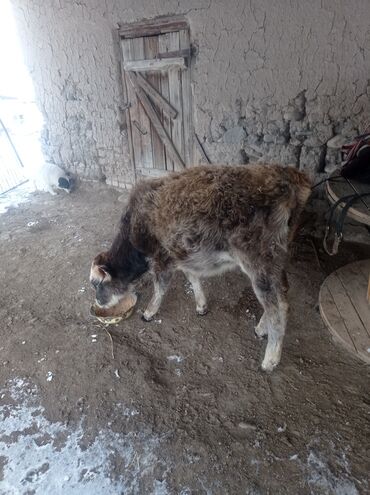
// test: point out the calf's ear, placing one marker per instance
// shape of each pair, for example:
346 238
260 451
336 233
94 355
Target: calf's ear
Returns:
99 270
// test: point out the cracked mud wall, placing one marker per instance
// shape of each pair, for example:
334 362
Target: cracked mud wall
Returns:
287 81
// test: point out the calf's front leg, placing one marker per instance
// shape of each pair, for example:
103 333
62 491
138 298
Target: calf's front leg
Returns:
200 298
261 329
161 282
273 298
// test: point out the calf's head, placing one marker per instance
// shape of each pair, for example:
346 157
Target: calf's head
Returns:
109 287
113 275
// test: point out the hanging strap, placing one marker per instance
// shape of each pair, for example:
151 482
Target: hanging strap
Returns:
338 234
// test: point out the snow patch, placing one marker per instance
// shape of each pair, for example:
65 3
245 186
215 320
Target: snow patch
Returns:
176 358
46 458
320 476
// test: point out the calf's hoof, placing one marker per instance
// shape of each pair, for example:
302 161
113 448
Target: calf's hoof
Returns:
269 364
146 317
268 367
202 311
260 333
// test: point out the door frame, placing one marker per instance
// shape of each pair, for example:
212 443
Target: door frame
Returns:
154 27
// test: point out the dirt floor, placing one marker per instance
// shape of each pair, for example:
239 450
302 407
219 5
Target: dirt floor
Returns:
175 406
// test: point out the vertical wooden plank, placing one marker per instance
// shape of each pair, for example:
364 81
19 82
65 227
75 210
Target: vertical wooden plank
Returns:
142 126
132 110
151 47
163 47
174 78
186 102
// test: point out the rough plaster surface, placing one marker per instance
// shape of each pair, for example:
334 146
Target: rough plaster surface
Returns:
285 81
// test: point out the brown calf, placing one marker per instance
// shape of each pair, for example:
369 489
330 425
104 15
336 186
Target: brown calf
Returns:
204 221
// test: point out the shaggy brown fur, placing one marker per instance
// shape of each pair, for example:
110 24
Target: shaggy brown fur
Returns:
203 221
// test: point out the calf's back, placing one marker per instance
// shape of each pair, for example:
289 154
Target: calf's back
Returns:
204 208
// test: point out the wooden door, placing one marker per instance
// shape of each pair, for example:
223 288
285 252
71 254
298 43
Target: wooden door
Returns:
156 58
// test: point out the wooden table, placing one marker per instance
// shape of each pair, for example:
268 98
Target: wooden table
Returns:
344 297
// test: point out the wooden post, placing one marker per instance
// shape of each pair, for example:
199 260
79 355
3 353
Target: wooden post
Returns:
155 64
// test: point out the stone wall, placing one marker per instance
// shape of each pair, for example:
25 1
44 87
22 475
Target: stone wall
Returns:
285 81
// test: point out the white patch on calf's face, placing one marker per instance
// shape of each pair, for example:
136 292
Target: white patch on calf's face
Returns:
114 299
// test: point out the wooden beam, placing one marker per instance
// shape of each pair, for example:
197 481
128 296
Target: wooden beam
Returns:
187 114
155 121
151 27
186 53
155 64
164 47
156 97
174 83
142 127
151 48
